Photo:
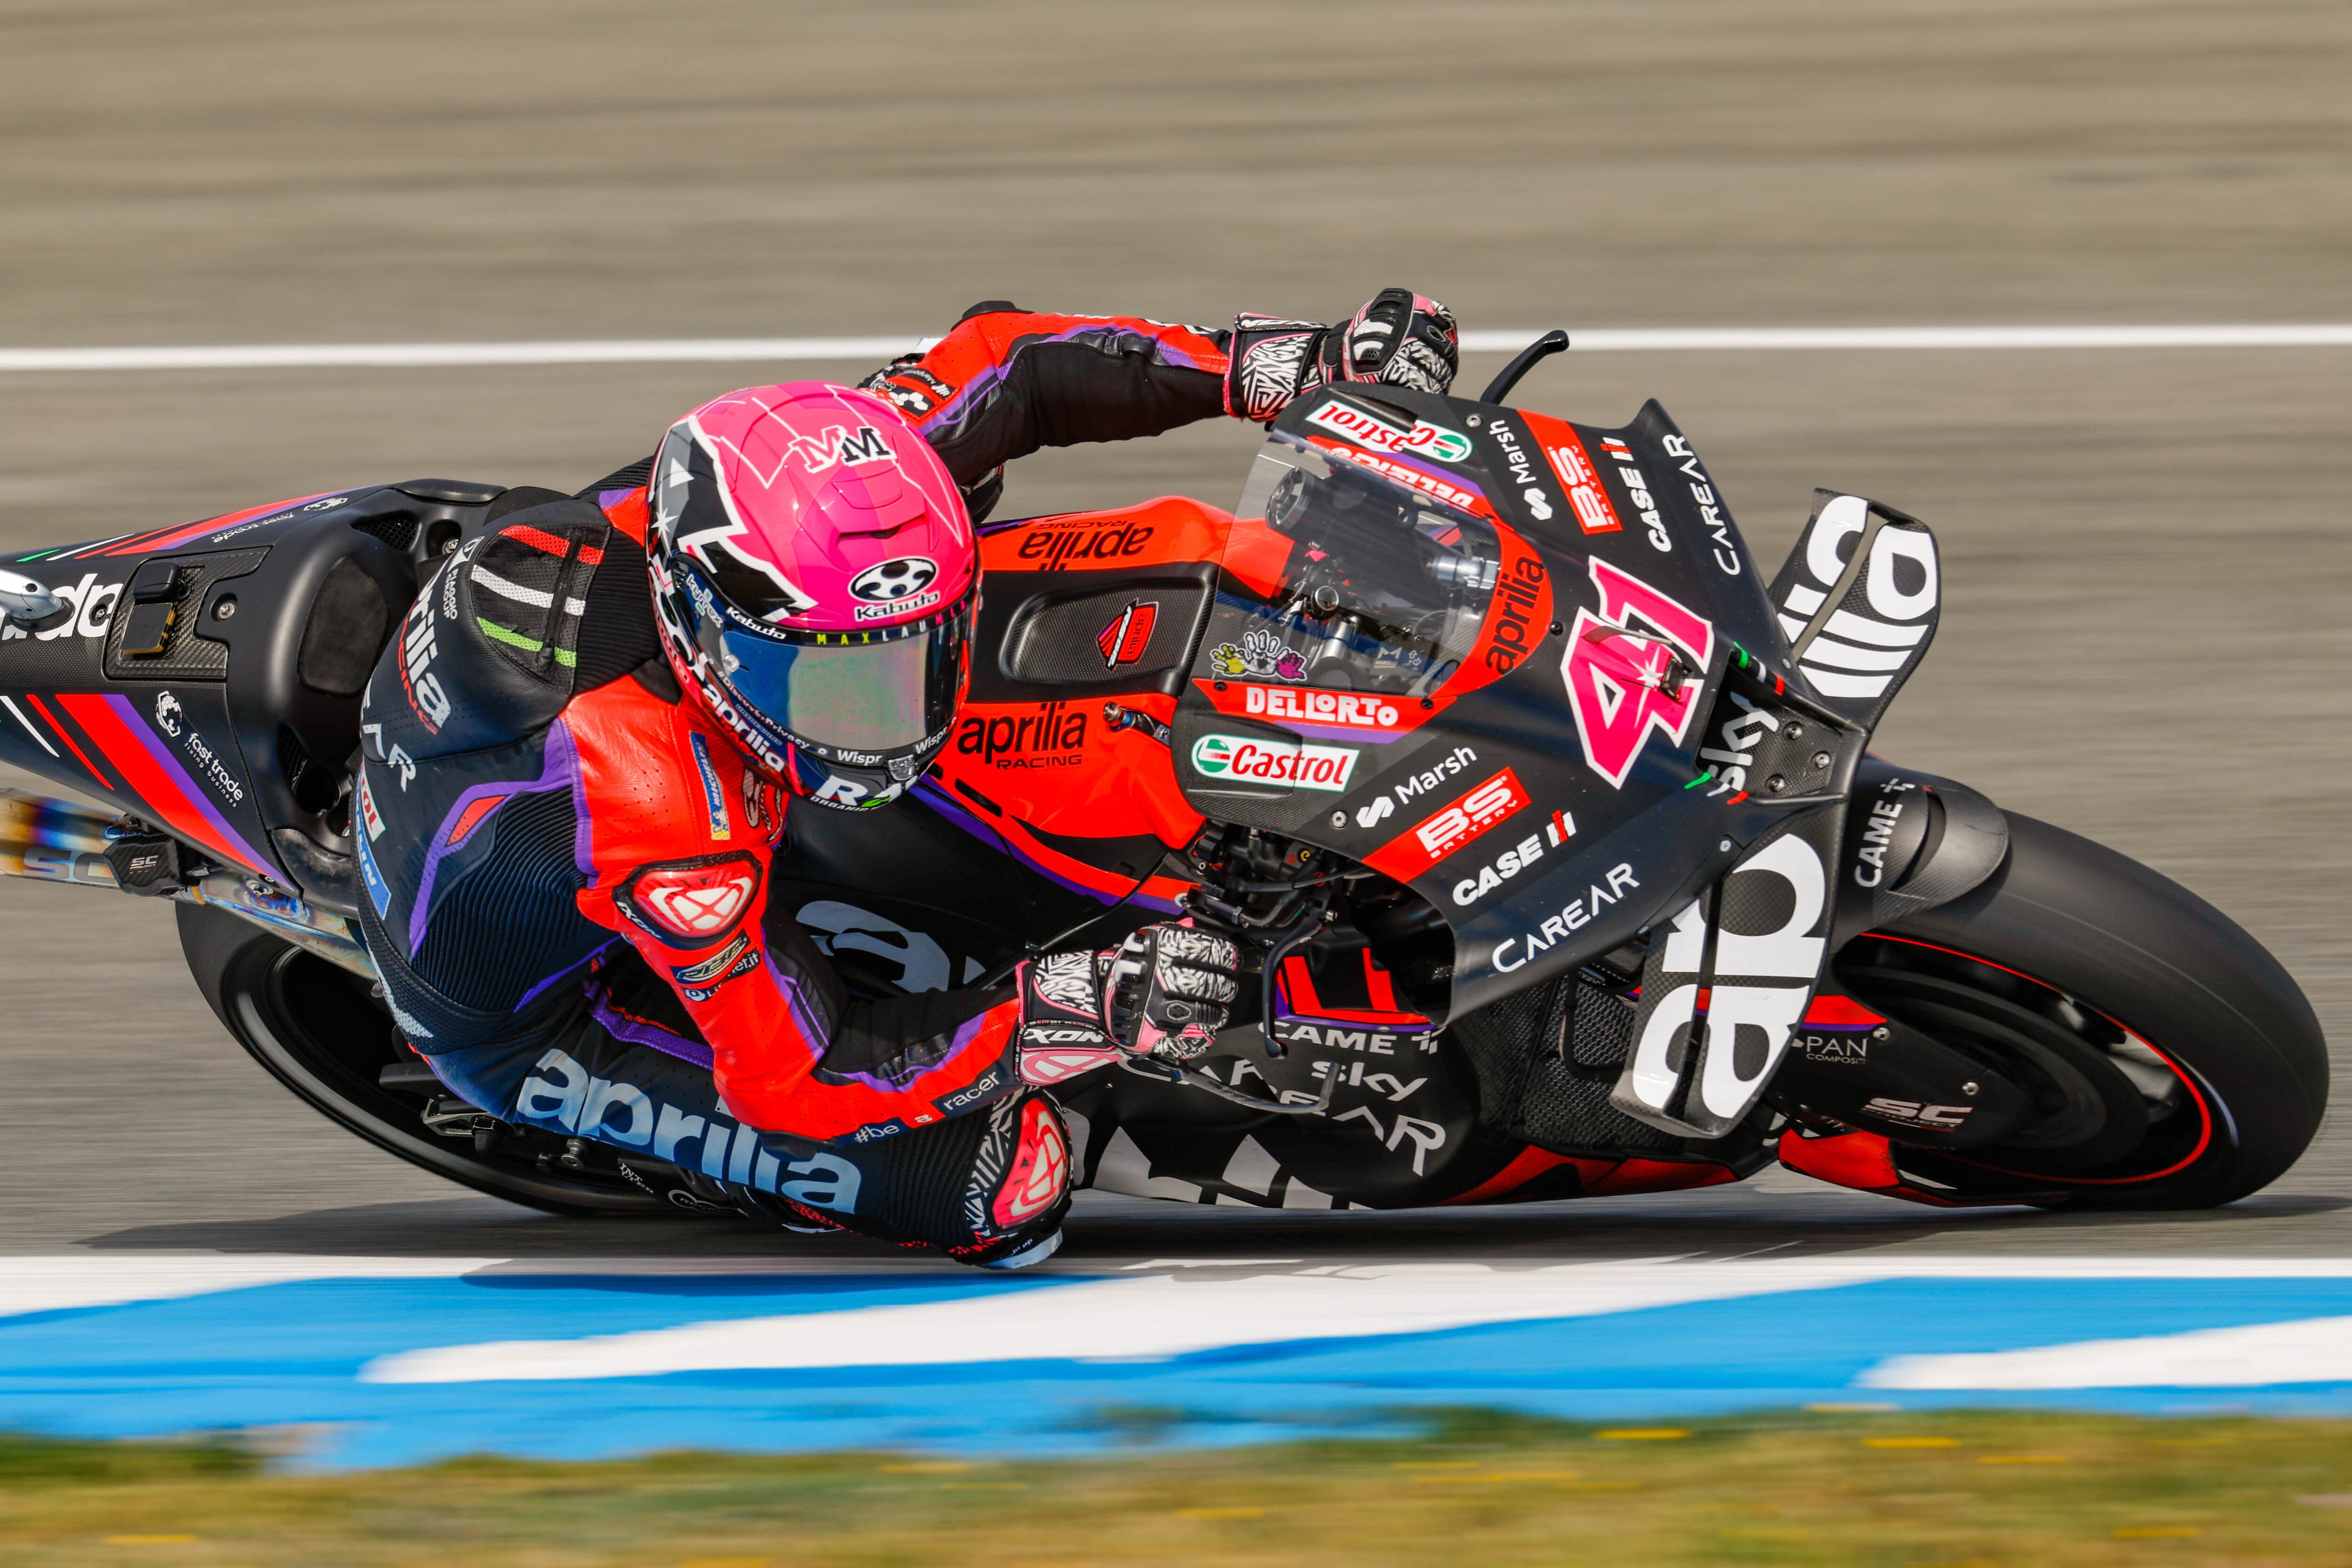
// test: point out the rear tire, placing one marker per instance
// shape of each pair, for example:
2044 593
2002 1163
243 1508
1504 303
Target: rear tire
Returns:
2074 942
319 1032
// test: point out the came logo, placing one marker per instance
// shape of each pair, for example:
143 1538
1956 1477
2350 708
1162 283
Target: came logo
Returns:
1251 761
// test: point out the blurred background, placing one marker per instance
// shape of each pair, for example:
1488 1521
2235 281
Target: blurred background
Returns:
2143 634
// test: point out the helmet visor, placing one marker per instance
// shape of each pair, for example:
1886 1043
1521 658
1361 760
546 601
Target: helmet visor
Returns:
856 696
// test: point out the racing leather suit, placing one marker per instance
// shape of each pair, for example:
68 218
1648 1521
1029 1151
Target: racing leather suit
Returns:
568 868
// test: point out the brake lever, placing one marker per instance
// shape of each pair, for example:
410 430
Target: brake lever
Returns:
1189 1077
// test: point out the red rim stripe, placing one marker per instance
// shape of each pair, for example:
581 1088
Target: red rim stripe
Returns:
157 777
2204 1111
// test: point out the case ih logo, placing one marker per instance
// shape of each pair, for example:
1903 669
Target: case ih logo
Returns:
1128 634
1450 828
1423 439
1254 761
1577 475
1638 666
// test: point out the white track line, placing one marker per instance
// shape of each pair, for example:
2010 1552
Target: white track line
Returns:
874 350
1164 1315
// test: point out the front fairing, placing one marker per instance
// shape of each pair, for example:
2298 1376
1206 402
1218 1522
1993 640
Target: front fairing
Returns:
1550 803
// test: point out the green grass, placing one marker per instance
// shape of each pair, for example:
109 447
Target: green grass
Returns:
1822 1487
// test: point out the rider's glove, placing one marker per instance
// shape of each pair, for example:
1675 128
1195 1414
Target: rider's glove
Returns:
1165 993
1399 338
1169 991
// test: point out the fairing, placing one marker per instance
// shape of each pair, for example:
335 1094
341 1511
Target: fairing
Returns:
1509 661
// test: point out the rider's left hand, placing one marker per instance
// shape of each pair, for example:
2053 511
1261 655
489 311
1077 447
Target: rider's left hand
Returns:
1169 989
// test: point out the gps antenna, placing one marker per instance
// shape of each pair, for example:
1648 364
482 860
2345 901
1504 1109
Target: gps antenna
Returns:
1543 348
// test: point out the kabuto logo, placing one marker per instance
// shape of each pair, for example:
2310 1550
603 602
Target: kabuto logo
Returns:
167 714
1054 548
893 580
1052 737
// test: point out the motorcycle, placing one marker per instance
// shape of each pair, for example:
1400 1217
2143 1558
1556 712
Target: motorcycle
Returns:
1548 828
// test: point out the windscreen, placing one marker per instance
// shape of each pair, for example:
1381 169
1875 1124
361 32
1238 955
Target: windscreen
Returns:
1354 580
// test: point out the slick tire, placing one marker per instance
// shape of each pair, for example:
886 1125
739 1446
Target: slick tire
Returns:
2081 938
319 1032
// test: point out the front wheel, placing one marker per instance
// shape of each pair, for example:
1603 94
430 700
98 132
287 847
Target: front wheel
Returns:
2178 1064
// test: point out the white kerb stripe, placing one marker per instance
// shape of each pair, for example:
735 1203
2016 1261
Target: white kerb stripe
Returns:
2311 1350
1164 1316
874 351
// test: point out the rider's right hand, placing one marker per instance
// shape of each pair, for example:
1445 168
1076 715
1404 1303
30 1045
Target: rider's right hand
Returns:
1399 339
1163 993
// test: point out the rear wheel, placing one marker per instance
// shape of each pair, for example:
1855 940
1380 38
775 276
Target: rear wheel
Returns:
2173 1061
320 1033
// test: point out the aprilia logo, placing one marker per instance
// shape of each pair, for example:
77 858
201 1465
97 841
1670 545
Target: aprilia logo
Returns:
1053 549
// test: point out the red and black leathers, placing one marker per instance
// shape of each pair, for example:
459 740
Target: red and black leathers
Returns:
569 871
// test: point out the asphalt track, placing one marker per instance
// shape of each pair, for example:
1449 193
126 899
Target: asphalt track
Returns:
2147 558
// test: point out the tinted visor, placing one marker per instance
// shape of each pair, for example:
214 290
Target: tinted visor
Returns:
865 694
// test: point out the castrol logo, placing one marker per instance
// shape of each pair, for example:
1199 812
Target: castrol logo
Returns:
1285 766
1426 439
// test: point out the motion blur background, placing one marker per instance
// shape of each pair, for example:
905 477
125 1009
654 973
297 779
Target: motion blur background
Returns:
2146 556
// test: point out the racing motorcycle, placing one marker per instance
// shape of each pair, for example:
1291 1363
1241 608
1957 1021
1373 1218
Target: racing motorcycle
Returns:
1549 826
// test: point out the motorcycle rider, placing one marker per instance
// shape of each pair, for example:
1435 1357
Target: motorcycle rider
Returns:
578 752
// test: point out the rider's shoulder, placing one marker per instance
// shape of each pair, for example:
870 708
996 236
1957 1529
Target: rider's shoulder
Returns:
548 603
660 783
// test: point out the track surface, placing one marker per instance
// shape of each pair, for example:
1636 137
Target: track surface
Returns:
2147 561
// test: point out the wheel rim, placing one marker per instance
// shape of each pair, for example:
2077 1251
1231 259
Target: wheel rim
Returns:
2051 1040
318 1030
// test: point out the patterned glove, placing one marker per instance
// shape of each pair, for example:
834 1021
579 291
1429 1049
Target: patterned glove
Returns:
1399 338
1170 990
1165 993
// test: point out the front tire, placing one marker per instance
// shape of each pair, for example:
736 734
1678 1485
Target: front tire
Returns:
2114 989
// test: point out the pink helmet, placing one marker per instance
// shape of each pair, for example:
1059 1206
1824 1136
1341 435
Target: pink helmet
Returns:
814 575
